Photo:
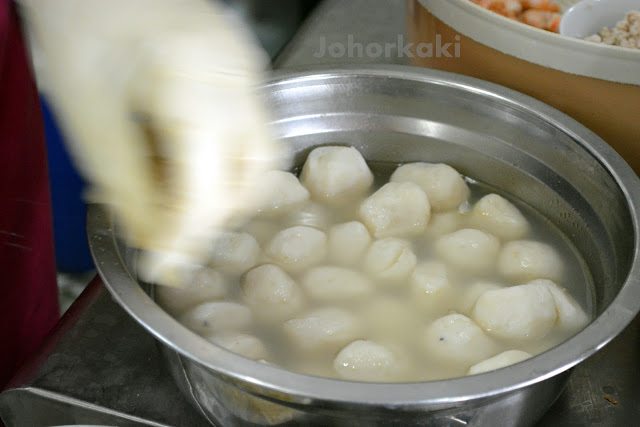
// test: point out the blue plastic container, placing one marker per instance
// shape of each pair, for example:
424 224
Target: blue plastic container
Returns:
69 209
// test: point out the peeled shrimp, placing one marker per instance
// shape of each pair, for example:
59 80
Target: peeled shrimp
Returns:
508 8
540 5
542 19
541 14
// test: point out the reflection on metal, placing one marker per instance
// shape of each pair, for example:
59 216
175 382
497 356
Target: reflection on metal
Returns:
458 420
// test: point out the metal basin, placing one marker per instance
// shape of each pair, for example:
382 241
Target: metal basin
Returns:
401 114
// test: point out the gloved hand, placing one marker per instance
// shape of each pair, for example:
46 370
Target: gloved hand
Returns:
157 100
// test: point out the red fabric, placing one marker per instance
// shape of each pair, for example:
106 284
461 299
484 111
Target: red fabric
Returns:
28 292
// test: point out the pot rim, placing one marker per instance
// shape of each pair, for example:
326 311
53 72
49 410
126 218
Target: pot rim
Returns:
295 388
551 50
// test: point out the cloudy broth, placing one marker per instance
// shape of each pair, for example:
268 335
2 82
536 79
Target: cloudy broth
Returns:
389 315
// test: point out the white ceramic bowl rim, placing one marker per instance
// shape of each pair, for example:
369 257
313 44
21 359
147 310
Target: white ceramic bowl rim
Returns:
540 47
587 17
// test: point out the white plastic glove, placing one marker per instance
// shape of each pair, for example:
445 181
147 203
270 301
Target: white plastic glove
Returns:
157 100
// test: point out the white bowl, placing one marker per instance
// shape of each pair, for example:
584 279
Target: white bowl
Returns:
591 16
544 48
595 83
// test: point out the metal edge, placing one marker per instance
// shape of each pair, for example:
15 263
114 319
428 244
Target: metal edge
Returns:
50 395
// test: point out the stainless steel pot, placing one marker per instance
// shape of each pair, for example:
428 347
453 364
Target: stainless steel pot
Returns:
401 114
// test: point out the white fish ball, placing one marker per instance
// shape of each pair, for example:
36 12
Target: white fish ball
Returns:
242 344
571 317
334 284
524 260
430 286
390 260
205 285
297 248
500 217
469 249
235 253
470 296
455 339
281 192
218 316
444 186
271 293
366 361
325 329
444 223
347 242
502 360
523 312
397 209
336 174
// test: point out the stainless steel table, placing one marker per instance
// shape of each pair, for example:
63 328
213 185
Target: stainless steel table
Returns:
100 367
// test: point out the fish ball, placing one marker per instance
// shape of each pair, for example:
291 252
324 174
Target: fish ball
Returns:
205 285
500 217
469 249
470 296
218 316
242 344
524 260
397 209
271 293
523 312
282 193
325 329
390 260
444 223
366 361
456 340
430 287
347 242
502 360
235 253
571 317
336 174
297 248
443 185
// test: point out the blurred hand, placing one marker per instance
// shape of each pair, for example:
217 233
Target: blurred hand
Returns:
157 101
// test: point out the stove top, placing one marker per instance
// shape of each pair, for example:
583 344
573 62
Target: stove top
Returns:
100 367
